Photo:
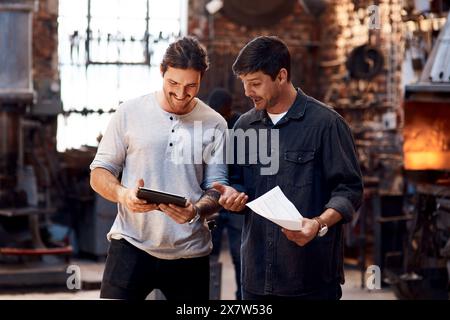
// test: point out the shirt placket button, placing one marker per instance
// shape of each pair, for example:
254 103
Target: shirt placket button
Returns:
173 130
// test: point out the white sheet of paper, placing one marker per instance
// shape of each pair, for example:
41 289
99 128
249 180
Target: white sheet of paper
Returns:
276 207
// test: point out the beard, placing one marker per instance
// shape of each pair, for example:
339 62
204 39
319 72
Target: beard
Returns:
178 105
271 98
259 103
262 104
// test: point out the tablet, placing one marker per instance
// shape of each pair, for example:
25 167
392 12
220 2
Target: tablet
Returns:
158 197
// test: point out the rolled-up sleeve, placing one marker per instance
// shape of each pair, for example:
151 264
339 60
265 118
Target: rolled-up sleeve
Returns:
111 151
342 171
215 168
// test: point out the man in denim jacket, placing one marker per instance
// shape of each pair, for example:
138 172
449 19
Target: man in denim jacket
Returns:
318 172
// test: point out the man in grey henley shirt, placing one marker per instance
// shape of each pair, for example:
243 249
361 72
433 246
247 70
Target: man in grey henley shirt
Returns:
171 141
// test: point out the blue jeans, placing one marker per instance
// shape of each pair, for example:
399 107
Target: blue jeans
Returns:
232 222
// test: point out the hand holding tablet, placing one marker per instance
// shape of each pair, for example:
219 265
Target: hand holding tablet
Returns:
158 197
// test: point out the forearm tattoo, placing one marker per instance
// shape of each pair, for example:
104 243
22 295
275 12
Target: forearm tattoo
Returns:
208 203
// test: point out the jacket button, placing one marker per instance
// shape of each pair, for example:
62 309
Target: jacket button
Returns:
299 158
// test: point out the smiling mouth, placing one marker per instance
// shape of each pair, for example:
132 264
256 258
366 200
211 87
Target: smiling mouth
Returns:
179 99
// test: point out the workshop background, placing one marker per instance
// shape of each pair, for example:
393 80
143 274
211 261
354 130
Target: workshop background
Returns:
66 65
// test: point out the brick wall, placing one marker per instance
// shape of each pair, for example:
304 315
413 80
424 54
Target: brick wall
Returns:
45 40
46 79
372 108
224 39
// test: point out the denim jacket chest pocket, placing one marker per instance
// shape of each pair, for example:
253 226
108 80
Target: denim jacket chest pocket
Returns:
298 167
250 167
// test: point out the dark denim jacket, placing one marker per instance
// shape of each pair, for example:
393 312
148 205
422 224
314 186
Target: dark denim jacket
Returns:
318 169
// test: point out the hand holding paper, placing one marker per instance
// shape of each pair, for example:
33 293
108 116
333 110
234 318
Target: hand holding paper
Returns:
276 207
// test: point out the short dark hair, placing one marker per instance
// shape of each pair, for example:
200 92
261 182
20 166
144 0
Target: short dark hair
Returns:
186 53
220 100
268 54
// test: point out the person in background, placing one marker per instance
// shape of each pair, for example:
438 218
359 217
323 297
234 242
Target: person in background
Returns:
221 101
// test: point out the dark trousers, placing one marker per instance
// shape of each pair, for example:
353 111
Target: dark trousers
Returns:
332 292
131 274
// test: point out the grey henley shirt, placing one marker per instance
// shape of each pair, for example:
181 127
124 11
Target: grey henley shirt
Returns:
170 152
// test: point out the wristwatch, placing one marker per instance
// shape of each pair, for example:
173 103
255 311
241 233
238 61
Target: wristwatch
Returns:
323 228
196 217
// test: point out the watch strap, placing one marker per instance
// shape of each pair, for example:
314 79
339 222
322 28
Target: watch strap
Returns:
321 224
197 215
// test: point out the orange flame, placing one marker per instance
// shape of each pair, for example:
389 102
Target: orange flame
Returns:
426 144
